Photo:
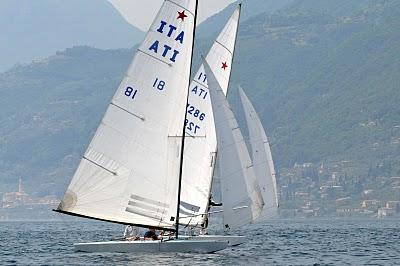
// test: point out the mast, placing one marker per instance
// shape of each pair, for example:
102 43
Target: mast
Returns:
184 129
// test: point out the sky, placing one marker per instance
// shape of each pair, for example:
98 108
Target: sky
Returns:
141 13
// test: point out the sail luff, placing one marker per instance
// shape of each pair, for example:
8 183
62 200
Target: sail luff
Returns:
262 158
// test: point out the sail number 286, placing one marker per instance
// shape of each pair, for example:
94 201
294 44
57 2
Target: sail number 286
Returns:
192 110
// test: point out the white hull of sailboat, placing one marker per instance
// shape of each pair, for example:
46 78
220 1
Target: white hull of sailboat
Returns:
232 240
177 246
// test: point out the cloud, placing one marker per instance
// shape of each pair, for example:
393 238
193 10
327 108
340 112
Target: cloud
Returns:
141 13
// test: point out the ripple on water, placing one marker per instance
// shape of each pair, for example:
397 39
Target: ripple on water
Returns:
280 242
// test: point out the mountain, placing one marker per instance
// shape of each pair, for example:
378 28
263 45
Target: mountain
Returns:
37 29
49 109
324 83
332 7
250 8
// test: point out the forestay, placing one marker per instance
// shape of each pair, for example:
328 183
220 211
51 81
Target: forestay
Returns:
129 173
200 141
262 158
241 194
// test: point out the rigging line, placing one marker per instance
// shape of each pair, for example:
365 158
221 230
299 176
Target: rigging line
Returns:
219 211
188 135
184 127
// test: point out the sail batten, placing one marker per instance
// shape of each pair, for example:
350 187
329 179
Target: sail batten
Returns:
131 161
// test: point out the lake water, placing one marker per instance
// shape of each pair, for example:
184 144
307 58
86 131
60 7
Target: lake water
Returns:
279 242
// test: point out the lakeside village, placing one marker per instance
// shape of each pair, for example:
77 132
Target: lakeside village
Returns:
306 190
19 205
338 189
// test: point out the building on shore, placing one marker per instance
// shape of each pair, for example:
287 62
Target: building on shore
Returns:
15 199
20 198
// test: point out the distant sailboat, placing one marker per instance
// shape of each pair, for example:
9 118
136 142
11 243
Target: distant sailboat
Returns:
262 158
131 171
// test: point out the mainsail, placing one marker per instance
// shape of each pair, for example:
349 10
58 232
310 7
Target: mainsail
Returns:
262 158
241 195
200 142
129 173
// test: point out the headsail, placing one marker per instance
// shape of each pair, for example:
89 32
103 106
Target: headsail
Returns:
241 195
129 173
200 143
262 158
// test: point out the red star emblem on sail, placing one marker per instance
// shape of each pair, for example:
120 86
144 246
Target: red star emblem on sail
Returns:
182 15
224 66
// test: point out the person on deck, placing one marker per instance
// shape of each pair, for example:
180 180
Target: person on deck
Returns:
131 233
151 235
204 225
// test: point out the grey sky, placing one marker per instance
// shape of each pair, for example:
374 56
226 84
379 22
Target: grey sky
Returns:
141 13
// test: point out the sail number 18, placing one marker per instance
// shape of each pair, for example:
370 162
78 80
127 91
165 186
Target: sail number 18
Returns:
159 84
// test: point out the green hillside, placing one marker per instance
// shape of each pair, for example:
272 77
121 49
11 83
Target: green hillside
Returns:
325 84
48 112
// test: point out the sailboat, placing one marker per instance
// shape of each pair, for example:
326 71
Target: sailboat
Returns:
201 146
262 158
248 182
132 170
241 194
200 142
